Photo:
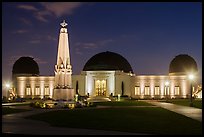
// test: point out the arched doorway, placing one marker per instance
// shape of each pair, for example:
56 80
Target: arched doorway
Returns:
100 87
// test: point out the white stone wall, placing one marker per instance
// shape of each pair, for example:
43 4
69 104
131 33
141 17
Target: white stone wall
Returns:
81 84
127 82
21 85
32 82
151 81
86 84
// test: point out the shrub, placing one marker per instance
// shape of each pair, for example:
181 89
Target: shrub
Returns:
47 106
66 105
38 104
32 104
78 105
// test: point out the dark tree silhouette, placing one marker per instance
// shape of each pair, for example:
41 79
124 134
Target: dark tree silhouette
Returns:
77 87
122 88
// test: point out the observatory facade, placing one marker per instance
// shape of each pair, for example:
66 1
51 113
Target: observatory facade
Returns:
106 74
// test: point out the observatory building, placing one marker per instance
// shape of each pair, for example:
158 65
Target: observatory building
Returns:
106 74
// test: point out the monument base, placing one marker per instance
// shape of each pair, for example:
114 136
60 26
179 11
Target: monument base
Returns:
63 94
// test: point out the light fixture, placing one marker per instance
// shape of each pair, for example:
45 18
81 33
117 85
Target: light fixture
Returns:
7 85
118 97
191 76
166 83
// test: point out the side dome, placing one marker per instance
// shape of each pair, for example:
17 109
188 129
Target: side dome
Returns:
107 61
25 65
183 64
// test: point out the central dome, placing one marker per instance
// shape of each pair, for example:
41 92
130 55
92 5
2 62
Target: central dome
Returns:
108 61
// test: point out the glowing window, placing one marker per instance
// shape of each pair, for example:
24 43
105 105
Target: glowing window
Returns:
46 90
156 90
146 91
137 90
37 91
28 92
177 90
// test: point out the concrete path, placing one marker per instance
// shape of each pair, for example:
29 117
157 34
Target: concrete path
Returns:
192 112
13 104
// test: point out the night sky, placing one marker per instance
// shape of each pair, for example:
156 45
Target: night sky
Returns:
149 35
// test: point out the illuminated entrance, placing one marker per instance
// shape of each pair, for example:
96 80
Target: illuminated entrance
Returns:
100 87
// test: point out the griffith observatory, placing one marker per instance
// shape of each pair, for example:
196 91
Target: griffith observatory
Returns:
104 75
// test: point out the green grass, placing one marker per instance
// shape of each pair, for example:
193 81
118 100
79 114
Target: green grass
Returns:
149 120
123 103
197 103
8 110
23 104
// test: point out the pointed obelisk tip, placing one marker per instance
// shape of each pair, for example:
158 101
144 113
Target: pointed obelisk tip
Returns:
63 24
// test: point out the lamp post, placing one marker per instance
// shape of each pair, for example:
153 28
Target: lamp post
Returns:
166 86
76 97
191 77
118 97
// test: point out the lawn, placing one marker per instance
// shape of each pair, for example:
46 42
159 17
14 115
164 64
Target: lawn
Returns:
186 102
123 103
8 110
149 120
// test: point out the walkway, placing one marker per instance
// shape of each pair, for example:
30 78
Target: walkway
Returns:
194 113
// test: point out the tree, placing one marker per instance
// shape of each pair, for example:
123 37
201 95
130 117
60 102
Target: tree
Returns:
77 87
122 88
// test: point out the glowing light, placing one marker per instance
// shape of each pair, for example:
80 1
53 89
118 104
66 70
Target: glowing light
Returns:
167 83
118 97
76 97
152 84
7 85
191 76
71 106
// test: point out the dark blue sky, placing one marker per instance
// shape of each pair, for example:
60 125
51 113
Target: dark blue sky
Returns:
149 35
